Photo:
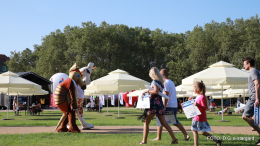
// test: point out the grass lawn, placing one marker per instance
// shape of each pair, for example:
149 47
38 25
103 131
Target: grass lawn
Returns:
51 118
79 139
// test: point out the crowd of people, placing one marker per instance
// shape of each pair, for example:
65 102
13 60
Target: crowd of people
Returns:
92 106
33 109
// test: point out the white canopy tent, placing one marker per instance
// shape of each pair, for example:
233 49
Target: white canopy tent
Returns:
220 73
10 81
116 82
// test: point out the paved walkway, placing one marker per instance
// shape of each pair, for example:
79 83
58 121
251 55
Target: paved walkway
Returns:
123 129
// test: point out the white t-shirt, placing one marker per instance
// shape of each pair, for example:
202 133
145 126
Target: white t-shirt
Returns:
170 87
88 105
92 104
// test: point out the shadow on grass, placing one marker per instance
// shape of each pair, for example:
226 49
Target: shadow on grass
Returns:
48 115
226 115
129 113
136 115
45 119
57 119
52 113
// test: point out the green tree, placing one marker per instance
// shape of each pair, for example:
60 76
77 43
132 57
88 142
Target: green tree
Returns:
22 61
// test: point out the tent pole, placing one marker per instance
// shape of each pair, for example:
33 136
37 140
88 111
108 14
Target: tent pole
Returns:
107 104
8 103
17 106
230 103
99 103
27 104
222 100
118 103
244 96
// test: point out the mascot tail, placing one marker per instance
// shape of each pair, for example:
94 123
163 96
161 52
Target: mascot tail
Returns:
61 120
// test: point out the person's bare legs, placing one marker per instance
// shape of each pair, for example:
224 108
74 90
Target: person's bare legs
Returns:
167 127
209 136
146 127
159 133
251 123
181 128
195 137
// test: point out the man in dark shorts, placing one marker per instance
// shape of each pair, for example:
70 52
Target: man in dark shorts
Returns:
253 89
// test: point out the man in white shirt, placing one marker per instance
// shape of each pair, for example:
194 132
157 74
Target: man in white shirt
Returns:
88 105
93 105
171 105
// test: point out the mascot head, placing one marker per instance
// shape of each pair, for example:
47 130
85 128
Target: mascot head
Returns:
76 76
86 71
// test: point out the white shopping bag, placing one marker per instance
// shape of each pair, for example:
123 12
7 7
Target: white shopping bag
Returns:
169 117
143 101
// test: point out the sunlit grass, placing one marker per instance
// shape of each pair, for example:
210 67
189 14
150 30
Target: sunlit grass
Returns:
79 139
51 118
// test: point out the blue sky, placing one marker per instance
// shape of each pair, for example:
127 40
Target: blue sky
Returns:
23 23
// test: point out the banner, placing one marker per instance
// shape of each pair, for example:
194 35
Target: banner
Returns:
91 98
190 109
102 99
256 121
112 99
130 100
121 98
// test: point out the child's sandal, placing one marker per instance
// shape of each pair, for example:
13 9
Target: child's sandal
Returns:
218 143
175 141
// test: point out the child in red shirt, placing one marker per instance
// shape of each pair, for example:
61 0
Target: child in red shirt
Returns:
199 123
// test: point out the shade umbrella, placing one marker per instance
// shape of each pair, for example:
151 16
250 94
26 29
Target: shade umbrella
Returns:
220 73
184 88
9 81
238 92
116 82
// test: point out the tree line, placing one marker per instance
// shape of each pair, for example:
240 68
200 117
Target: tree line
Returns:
137 49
